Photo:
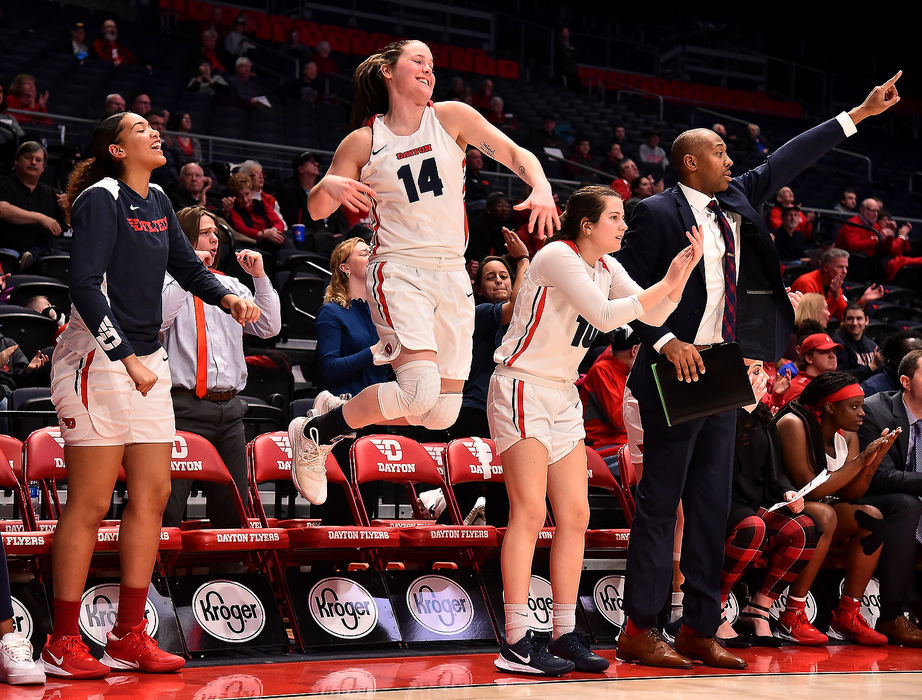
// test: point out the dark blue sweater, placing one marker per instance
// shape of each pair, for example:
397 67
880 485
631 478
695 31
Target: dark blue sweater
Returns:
344 340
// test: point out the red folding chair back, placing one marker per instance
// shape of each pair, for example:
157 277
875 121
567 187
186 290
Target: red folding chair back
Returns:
474 459
12 448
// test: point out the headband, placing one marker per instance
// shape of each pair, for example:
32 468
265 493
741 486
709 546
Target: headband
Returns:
847 392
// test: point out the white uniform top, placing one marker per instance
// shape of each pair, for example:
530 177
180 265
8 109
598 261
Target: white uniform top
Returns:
841 446
562 305
418 217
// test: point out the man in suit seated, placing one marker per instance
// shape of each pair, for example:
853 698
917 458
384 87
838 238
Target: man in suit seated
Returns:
895 490
692 461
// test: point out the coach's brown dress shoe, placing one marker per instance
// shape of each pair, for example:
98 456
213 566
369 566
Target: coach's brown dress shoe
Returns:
649 648
705 649
901 631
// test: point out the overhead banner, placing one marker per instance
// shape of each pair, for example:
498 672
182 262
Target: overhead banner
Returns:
222 614
342 610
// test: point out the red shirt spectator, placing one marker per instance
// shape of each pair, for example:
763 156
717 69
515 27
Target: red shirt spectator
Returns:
828 282
862 234
108 49
628 171
602 391
23 95
817 354
785 199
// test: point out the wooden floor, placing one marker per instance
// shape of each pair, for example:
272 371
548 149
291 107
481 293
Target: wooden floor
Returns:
832 673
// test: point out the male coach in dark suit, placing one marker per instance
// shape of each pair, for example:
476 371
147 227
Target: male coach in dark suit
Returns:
895 490
693 461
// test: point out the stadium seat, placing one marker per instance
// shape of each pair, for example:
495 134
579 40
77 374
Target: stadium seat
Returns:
24 545
31 331
600 477
30 398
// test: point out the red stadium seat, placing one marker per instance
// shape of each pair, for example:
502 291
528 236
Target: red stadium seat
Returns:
199 11
600 477
400 460
507 69
467 459
12 448
336 37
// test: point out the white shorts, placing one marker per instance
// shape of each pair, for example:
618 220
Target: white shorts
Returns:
422 309
518 409
97 402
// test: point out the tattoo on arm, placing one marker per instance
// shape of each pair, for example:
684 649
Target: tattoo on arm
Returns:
486 148
522 171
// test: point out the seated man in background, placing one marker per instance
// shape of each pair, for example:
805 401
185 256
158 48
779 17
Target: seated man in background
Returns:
815 354
894 349
785 200
828 279
194 188
23 189
790 242
859 356
862 233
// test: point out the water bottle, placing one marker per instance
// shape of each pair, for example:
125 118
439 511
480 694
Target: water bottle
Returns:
34 499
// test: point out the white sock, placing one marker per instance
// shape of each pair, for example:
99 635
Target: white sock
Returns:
564 619
516 622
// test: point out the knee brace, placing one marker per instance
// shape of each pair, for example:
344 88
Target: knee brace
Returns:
444 412
872 541
414 393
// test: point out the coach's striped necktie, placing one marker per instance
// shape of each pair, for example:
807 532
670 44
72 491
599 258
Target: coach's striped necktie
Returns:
728 327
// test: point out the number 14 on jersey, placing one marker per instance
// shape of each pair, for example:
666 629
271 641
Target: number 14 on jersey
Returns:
427 180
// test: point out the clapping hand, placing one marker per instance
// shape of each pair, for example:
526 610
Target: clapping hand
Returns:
251 262
514 245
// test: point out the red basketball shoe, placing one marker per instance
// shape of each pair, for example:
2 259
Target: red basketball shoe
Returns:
68 657
138 651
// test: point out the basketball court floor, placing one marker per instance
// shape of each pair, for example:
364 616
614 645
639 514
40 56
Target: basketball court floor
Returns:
826 673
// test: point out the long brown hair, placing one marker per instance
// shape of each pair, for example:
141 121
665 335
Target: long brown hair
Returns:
368 85
338 289
100 164
586 203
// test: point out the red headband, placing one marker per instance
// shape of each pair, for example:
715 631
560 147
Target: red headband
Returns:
848 392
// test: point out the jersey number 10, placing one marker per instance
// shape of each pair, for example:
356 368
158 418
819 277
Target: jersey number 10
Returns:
585 333
428 180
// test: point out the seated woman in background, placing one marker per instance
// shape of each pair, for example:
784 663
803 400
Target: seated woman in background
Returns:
817 433
187 147
345 332
810 316
253 218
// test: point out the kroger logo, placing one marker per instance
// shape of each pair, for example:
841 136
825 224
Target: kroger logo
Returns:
440 605
782 602
870 601
389 448
732 611
228 611
98 610
540 604
235 685
608 595
22 620
343 608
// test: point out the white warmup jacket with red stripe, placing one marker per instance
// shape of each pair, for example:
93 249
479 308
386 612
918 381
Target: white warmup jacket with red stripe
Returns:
418 216
562 305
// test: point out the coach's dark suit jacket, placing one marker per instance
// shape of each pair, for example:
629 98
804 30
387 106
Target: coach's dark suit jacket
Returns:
657 234
886 410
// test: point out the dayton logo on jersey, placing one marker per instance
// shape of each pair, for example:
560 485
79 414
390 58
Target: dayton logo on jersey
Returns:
148 226
414 152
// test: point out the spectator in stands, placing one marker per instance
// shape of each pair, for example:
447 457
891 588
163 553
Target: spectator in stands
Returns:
847 202
619 136
860 356
787 537
17 370
206 82
113 104
245 87
252 217
863 234
602 390
140 104
77 44
298 51
108 49
815 354
308 87
346 336
753 141
899 480
476 186
546 136
817 434
187 147
641 188
612 160
581 155
326 65
652 155
499 117
16 664
460 92
166 175
209 51
254 169
784 201
720 130
237 43
828 279
627 172
24 95
194 188
567 66
790 242
894 349
495 290
480 100
810 316
24 189
204 397
292 199
486 227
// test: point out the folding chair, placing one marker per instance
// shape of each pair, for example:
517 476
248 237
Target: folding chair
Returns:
600 477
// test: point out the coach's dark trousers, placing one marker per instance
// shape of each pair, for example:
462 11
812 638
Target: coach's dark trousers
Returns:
221 423
691 462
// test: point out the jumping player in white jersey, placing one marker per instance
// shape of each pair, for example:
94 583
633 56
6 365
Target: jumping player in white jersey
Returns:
110 384
572 290
407 165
